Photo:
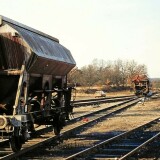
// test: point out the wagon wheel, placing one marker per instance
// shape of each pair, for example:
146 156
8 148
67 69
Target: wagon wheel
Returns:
57 125
59 122
15 141
57 129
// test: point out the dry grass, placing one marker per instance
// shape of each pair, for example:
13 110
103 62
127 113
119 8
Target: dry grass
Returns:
131 118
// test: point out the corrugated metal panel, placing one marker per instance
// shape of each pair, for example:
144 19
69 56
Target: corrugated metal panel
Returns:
45 47
8 20
48 57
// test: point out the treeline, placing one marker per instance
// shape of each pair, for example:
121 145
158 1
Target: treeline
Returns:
156 83
99 72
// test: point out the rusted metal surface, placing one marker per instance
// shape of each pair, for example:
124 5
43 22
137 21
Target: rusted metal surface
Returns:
12 49
44 54
140 78
141 85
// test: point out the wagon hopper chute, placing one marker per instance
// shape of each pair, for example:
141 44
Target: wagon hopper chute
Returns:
33 81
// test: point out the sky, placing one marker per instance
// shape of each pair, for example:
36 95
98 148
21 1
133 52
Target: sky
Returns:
96 29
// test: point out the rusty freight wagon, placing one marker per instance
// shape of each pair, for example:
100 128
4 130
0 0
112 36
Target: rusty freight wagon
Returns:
141 85
33 81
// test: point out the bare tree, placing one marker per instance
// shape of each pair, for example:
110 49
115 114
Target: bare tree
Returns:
135 69
89 75
74 77
101 72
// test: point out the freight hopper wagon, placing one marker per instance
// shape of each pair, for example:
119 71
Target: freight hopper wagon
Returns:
141 85
33 82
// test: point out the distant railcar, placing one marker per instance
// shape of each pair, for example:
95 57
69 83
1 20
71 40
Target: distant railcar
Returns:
33 81
141 85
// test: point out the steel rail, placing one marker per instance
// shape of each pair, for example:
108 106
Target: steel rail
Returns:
79 117
113 139
101 110
106 98
140 147
100 101
66 133
87 114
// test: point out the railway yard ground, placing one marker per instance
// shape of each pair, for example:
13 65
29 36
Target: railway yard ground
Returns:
137 115
141 113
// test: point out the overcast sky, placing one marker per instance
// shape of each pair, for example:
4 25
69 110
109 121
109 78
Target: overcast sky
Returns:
102 29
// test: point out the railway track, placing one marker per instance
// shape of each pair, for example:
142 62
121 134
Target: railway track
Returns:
98 101
92 102
127 145
77 125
